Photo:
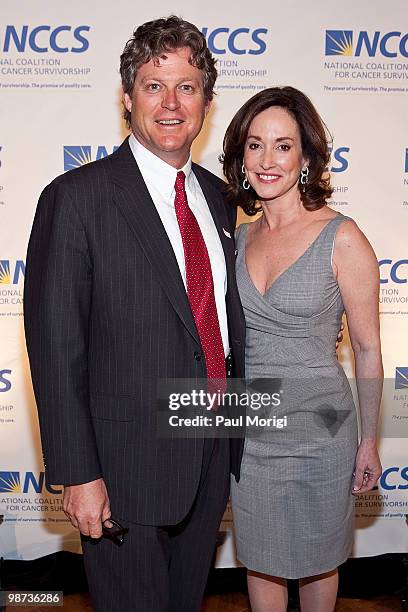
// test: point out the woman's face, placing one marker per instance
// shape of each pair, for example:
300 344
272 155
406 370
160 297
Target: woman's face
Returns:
273 153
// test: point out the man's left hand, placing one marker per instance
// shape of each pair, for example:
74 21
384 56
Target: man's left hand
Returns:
340 336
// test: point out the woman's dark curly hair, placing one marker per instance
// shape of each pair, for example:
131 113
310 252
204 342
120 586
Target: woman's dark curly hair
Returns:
153 39
314 140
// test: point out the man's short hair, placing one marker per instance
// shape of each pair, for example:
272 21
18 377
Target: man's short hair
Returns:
153 39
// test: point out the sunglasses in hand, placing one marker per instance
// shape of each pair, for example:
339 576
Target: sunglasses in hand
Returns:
115 532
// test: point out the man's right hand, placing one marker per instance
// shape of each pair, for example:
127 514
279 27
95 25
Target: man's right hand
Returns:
87 506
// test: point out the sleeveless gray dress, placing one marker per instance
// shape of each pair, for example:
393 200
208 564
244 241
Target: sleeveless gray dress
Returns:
293 507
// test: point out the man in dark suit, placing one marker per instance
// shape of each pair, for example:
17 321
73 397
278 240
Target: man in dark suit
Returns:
130 279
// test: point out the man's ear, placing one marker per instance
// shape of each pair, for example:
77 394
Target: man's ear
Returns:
127 101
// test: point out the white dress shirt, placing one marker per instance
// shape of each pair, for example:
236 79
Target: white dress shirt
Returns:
160 180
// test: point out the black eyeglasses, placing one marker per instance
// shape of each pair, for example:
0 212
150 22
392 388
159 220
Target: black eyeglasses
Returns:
116 532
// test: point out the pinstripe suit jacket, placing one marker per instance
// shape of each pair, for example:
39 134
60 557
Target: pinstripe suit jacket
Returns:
106 315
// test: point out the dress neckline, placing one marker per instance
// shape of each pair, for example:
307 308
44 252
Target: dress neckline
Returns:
296 261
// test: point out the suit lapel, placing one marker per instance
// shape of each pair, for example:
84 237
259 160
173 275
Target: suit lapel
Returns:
216 205
136 205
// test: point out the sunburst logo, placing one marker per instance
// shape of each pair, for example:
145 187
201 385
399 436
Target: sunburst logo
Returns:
11 271
10 482
76 156
339 42
5 276
79 155
401 378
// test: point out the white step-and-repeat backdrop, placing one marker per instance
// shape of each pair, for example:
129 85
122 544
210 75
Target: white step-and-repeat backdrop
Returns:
60 108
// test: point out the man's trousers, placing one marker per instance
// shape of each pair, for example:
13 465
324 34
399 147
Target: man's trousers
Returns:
163 569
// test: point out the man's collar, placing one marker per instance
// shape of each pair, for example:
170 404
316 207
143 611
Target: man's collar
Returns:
157 171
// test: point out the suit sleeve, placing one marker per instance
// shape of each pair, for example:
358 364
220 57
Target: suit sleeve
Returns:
57 302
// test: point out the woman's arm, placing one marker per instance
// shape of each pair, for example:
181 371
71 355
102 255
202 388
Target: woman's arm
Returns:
356 268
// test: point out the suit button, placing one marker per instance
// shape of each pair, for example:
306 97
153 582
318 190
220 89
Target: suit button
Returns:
197 356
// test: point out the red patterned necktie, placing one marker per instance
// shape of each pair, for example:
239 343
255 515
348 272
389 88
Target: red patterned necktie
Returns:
200 286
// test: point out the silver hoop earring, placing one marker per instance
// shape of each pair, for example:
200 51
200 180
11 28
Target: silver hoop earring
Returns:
304 177
245 184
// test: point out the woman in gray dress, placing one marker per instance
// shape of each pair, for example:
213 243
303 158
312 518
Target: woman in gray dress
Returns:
300 265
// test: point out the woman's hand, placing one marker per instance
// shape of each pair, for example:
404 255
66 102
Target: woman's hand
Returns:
368 467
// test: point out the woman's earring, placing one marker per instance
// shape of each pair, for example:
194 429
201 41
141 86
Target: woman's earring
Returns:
304 177
245 183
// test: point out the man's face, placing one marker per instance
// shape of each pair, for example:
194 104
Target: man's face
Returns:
167 106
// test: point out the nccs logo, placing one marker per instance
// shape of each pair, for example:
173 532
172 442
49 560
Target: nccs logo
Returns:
10 274
239 41
11 482
42 38
5 383
397 271
394 478
339 162
348 43
79 155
